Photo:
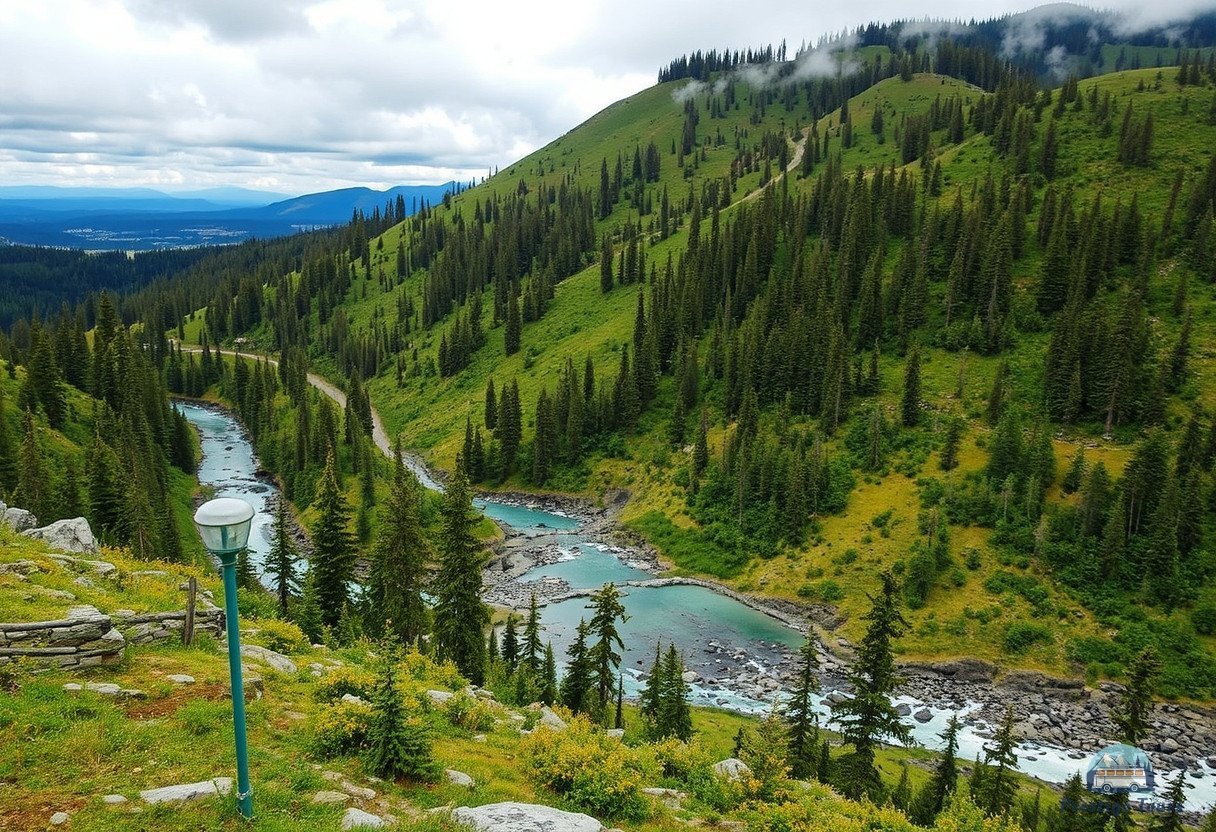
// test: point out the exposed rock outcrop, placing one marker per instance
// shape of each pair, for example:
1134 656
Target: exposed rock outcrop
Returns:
73 535
524 817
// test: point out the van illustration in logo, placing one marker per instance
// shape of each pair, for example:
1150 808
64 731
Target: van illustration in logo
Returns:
1120 768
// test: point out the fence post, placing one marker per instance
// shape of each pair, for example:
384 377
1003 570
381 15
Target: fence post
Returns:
188 626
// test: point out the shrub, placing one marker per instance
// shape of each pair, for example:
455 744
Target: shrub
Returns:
343 680
469 713
341 728
592 771
1203 619
1022 635
281 636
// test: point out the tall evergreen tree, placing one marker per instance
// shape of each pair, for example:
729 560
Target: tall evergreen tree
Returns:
399 561
1001 761
910 407
604 654
333 547
1134 711
281 562
932 798
460 615
868 715
801 721
578 685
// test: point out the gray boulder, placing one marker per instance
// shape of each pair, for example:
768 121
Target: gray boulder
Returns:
261 654
524 817
551 720
459 778
18 519
359 819
73 535
183 792
731 768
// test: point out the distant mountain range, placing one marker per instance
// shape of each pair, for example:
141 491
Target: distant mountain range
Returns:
140 219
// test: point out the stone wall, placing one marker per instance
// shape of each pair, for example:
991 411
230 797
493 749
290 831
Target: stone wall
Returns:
82 639
86 637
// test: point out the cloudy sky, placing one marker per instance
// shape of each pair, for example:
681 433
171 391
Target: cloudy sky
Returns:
297 96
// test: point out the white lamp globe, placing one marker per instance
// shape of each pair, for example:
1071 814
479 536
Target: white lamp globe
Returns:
223 524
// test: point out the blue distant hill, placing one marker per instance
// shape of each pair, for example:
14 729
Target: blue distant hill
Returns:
144 218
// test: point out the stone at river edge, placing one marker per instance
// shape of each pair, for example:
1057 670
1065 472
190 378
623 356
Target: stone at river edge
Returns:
524 817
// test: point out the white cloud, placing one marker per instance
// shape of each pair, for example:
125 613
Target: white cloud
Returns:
302 95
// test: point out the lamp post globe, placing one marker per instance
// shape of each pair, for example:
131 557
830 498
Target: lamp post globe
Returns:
223 524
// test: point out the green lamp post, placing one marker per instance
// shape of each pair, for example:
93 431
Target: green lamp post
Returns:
223 524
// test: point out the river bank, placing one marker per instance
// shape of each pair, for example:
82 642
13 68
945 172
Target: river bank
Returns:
1050 713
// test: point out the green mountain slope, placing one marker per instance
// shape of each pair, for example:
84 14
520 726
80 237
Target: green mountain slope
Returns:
997 572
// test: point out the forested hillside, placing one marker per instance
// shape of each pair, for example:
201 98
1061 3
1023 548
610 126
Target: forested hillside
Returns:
892 302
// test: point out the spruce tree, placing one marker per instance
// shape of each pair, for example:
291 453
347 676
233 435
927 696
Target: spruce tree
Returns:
605 659
910 407
280 564
460 615
674 718
333 546
649 697
398 745
307 613
511 335
8 450
1172 819
548 690
510 644
999 788
868 716
944 780
801 721
606 265
32 493
531 653
578 685
491 406
1134 711
950 444
399 560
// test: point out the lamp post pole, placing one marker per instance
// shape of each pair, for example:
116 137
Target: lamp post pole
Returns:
223 524
232 625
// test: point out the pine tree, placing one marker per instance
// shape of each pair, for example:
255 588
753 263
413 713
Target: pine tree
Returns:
548 690
910 407
531 652
544 447
511 335
32 493
1175 801
950 444
491 407
398 745
460 615
800 717
510 426
868 716
932 798
8 450
1134 711
674 717
651 693
605 659
333 547
280 564
399 561
510 643
999 787
307 613
578 685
